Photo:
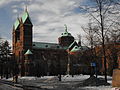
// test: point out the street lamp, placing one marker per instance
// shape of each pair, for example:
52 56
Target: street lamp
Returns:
68 64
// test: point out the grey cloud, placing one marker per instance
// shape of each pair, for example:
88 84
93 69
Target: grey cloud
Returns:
49 16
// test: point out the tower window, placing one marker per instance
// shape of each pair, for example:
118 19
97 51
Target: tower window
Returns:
17 35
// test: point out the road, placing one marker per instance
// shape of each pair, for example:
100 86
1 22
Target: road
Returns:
8 85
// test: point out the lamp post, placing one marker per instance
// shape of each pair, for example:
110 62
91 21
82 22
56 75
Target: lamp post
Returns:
59 65
68 64
74 51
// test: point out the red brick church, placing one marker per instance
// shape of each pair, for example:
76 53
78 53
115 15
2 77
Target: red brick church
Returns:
39 58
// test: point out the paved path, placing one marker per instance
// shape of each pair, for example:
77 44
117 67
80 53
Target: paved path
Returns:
8 85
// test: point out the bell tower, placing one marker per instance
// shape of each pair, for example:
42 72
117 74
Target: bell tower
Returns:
26 31
22 39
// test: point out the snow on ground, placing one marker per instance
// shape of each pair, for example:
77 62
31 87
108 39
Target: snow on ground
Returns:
28 78
99 88
64 78
9 79
109 78
75 77
83 77
8 87
35 78
102 88
69 78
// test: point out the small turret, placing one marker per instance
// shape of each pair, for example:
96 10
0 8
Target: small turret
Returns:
66 33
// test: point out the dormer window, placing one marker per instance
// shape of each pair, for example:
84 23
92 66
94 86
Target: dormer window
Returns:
76 47
46 46
57 46
33 44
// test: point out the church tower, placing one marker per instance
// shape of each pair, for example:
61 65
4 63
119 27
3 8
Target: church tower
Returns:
26 31
66 38
22 38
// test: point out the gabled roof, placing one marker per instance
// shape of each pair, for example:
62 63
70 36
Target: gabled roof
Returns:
28 52
75 49
72 45
43 45
24 17
16 24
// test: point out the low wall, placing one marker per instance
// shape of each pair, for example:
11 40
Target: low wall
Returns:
116 78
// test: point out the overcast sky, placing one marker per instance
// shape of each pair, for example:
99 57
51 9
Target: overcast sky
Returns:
48 18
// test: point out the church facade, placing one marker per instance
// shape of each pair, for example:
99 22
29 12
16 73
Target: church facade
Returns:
39 58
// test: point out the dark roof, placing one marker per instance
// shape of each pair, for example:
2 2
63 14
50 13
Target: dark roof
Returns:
16 24
25 16
43 45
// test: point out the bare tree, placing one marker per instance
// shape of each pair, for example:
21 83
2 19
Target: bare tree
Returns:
115 33
90 34
104 14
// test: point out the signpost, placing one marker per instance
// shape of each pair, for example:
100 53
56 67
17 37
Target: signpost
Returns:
93 64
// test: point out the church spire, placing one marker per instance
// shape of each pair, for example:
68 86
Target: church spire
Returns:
25 15
17 23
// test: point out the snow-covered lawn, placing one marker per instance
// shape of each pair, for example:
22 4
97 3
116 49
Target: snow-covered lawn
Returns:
75 77
65 79
83 77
